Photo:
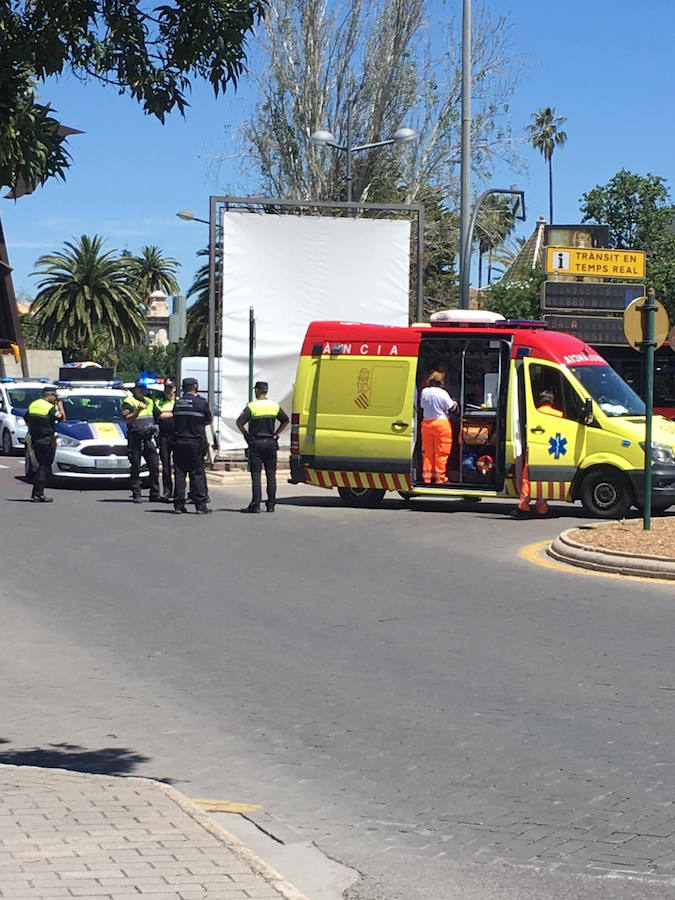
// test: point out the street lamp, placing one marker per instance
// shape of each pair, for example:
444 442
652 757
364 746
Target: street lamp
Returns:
324 138
188 216
518 212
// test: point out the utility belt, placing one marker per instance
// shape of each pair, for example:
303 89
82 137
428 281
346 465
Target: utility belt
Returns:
262 437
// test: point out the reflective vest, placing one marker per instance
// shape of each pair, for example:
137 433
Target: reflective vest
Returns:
264 414
135 403
39 418
145 420
163 405
40 407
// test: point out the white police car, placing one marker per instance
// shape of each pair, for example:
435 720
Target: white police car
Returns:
16 395
92 441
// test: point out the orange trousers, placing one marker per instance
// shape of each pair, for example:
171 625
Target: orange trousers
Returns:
436 448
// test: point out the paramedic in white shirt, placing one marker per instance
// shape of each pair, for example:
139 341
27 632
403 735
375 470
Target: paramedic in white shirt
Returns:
436 405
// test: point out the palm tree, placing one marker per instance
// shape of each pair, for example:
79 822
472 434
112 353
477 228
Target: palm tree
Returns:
150 271
545 136
197 337
84 292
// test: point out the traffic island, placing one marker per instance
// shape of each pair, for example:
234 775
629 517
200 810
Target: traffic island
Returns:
623 548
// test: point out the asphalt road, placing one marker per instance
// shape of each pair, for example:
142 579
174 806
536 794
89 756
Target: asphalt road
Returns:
396 685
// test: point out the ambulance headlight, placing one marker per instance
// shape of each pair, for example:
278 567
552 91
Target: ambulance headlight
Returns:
662 454
20 421
65 441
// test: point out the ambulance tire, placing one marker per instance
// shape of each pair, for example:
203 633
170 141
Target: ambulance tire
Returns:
605 494
363 497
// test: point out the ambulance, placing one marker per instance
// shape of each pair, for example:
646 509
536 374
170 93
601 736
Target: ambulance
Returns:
356 423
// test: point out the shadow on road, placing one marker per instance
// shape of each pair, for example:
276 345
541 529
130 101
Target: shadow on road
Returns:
106 761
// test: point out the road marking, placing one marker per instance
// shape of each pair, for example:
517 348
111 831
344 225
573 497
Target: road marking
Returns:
223 806
3 467
532 553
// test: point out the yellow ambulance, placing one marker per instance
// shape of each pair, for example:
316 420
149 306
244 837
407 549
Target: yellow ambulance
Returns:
356 419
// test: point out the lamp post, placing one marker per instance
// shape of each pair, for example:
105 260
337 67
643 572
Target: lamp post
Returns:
323 138
188 216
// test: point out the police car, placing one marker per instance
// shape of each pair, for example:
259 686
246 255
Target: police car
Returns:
92 441
16 395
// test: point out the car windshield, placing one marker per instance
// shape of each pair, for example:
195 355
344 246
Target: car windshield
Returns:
609 390
21 398
93 409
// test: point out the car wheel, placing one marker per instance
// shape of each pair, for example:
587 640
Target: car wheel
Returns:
363 497
7 447
605 494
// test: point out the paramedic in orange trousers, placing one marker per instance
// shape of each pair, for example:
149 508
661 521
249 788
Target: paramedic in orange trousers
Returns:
546 403
436 405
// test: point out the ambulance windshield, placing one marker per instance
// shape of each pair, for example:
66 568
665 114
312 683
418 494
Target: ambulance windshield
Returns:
609 390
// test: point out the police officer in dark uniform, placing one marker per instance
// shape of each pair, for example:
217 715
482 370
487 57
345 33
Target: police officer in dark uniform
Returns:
163 409
191 415
41 418
262 436
138 413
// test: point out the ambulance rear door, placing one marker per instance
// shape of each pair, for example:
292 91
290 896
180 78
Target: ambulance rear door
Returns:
363 414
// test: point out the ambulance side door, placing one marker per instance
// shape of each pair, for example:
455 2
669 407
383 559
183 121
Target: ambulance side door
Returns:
556 441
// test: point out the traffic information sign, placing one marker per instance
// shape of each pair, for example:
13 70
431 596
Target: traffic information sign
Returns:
598 263
594 330
578 295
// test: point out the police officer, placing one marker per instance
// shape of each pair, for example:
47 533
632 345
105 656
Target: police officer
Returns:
41 418
138 413
191 415
164 418
261 416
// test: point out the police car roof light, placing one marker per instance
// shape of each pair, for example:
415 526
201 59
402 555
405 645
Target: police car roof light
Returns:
116 383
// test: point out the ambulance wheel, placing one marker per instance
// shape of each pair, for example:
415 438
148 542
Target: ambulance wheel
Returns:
605 494
363 497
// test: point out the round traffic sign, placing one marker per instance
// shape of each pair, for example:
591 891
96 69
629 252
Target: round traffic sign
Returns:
634 324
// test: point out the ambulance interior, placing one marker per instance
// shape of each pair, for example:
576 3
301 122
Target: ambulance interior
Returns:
475 375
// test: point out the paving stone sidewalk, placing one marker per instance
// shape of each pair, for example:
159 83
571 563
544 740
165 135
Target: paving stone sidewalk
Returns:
68 834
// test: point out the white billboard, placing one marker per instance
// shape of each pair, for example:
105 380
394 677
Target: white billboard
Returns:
293 270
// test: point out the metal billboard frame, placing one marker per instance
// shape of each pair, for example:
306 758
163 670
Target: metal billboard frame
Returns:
274 206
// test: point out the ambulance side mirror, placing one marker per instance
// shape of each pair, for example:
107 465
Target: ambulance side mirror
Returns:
587 417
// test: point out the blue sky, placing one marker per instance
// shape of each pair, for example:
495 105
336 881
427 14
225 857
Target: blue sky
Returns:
606 66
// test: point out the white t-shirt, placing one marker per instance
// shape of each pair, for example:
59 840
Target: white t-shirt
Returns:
436 403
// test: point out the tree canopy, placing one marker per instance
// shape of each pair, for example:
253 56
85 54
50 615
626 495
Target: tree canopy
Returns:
85 298
641 216
380 58
150 53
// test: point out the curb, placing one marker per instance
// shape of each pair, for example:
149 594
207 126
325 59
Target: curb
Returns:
240 850
284 888
237 476
566 549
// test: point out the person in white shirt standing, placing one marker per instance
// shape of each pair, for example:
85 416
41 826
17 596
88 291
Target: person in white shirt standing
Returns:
436 405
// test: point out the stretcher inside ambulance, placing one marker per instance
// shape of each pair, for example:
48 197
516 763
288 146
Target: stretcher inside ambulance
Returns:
530 402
